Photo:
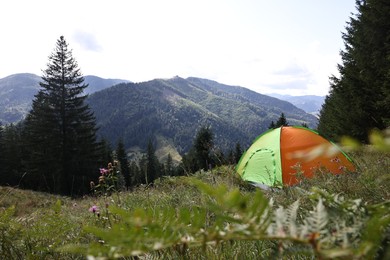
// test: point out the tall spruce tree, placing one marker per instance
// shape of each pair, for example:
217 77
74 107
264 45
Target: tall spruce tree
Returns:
122 158
152 164
60 128
282 121
169 167
359 99
203 145
237 153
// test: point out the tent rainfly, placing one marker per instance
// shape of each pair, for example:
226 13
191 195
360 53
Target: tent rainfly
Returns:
276 156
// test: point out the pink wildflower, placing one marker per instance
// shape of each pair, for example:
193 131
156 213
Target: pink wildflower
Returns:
94 209
103 171
335 160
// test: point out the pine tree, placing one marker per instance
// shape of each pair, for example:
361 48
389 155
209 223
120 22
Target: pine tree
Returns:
272 125
152 164
105 153
359 99
169 171
136 177
189 162
203 145
282 121
124 163
61 129
238 153
230 159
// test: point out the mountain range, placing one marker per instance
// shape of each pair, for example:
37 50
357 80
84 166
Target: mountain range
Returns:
310 103
168 112
17 92
171 111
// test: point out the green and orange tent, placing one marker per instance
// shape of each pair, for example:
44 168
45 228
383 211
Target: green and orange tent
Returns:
276 157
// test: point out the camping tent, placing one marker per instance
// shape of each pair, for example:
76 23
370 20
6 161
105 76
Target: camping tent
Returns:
276 156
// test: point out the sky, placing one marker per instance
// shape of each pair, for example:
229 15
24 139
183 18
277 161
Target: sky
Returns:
270 46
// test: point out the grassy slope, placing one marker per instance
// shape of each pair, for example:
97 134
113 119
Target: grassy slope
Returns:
38 224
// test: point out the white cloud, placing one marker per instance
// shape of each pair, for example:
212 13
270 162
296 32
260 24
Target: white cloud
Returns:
87 41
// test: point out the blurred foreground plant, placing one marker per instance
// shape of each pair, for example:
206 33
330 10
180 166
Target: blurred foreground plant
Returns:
334 228
380 140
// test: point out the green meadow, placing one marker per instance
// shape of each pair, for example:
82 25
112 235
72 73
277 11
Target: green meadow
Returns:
209 215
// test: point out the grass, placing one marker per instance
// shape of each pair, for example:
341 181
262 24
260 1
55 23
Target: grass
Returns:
36 225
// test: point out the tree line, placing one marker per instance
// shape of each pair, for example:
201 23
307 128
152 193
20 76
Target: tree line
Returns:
15 170
203 155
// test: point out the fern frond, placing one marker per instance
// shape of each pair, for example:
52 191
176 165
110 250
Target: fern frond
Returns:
318 219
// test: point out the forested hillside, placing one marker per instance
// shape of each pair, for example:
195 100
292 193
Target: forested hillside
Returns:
172 110
17 92
168 112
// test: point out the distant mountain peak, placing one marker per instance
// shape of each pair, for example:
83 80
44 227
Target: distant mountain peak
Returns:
17 92
310 103
168 111
173 110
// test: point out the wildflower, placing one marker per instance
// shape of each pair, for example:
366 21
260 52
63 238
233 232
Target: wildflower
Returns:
109 165
335 160
94 209
101 179
103 171
342 168
92 184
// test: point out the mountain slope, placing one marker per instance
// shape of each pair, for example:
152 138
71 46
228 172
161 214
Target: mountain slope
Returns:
266 103
166 111
310 103
17 92
174 109
96 83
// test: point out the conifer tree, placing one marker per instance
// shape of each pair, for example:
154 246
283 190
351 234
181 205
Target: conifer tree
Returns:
169 169
203 145
124 163
136 177
189 162
230 159
61 129
282 121
272 125
105 153
152 164
359 99
238 152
